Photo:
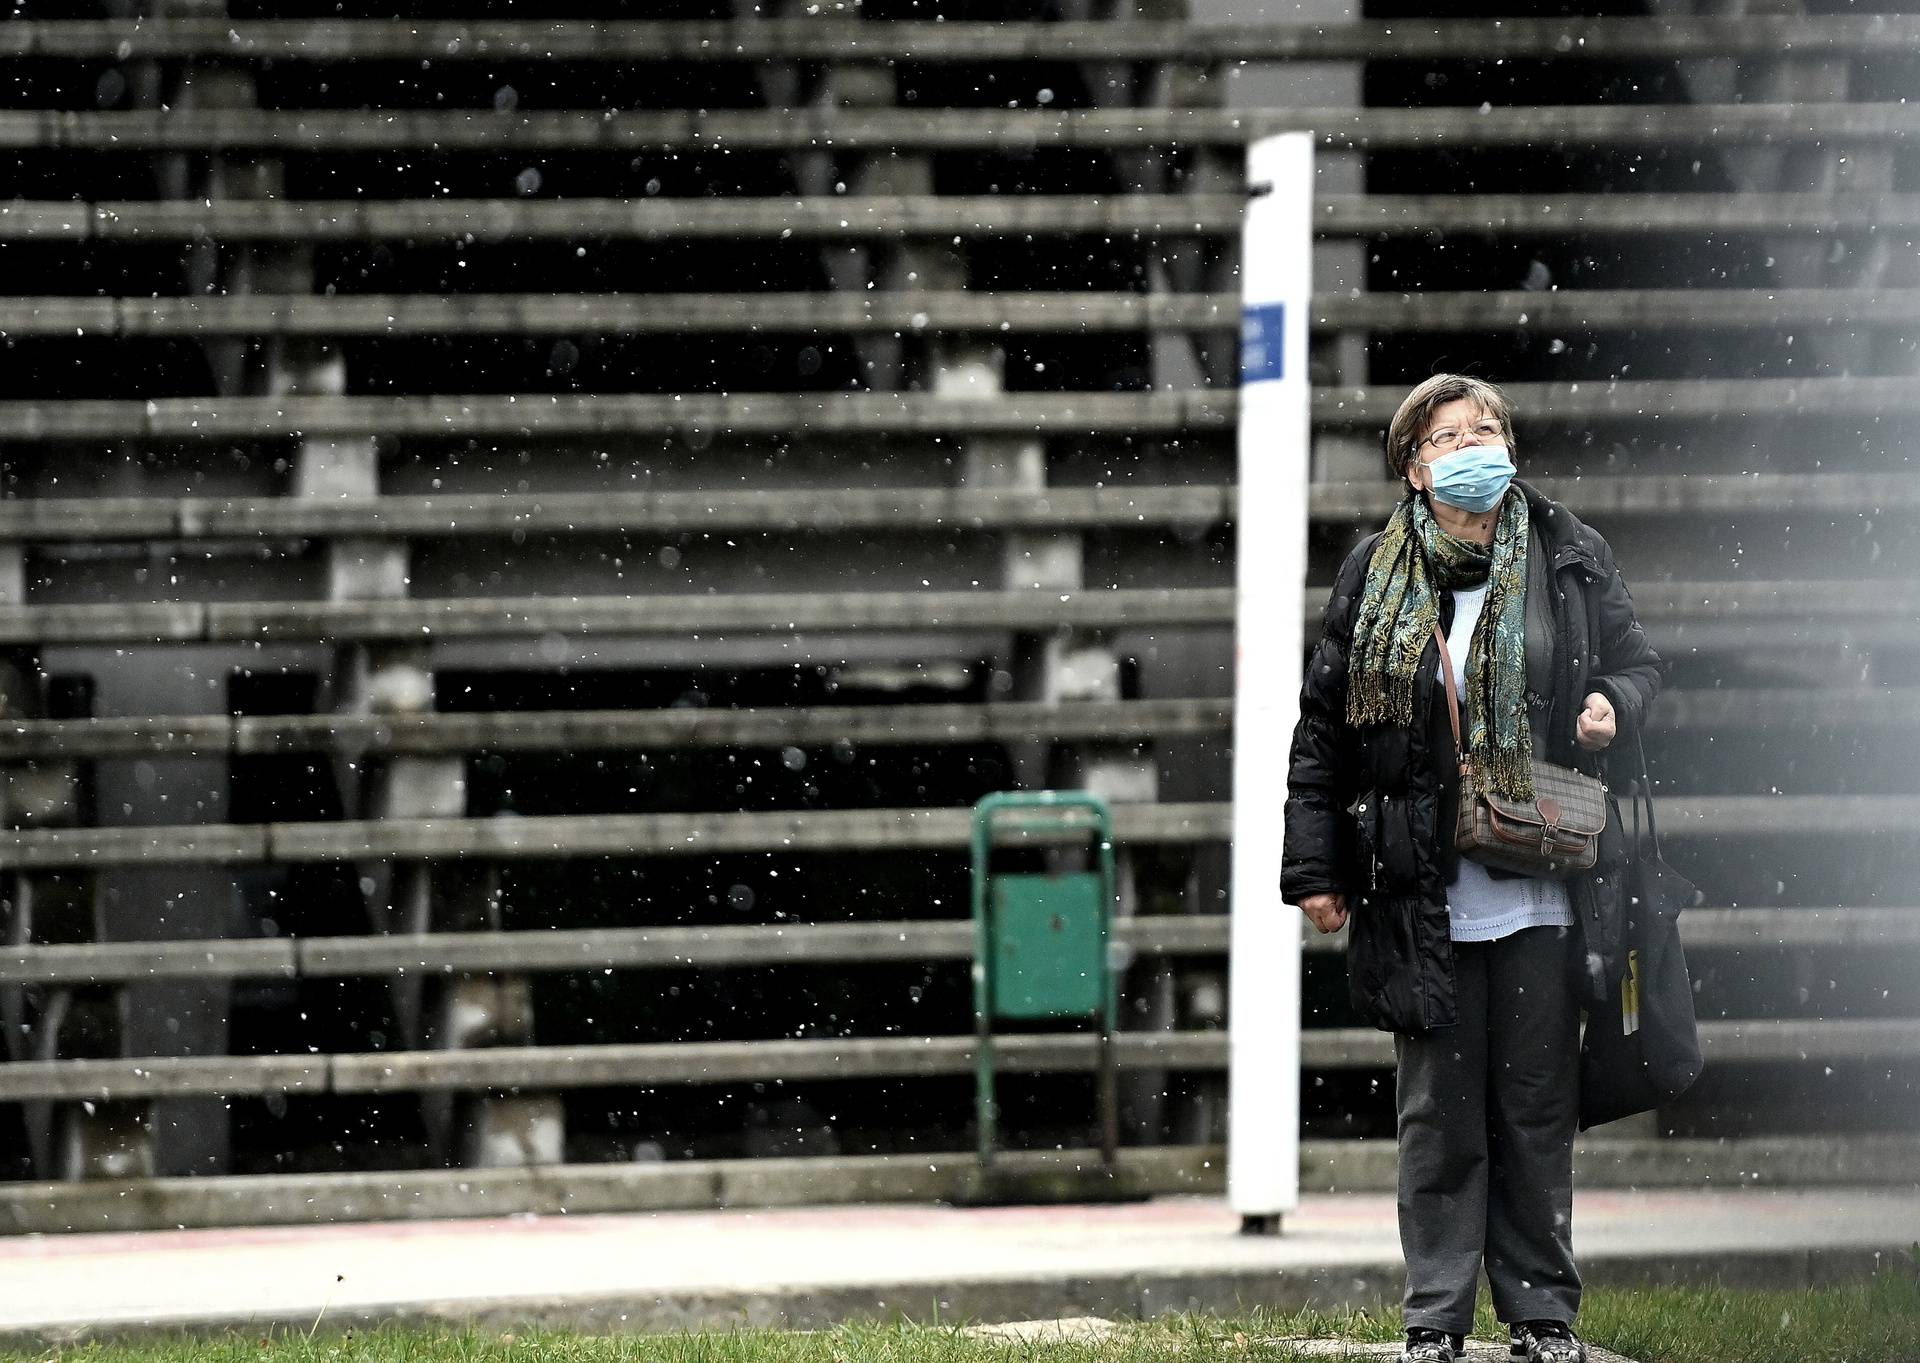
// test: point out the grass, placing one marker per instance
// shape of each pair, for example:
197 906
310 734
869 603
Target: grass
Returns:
1875 1321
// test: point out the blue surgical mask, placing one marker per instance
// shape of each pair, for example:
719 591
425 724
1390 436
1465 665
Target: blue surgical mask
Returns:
1473 479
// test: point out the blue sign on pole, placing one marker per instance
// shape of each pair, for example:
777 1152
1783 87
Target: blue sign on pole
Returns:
1262 342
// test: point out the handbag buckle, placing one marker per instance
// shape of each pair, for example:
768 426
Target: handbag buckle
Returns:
1549 824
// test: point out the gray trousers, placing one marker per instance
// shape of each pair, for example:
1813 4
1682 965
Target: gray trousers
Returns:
1488 1109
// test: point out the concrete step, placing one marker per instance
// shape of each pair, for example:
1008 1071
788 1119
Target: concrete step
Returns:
868 218
560 836
1678 711
338 133
818 510
545 1069
1782 818
393 315
1191 412
1709 615
493 40
1857 928
587 730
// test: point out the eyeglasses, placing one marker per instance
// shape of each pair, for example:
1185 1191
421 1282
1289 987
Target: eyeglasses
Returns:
1446 437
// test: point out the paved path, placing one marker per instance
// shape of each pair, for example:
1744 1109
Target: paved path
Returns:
810 1266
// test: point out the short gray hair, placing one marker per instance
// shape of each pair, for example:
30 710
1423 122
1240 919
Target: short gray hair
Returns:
1409 424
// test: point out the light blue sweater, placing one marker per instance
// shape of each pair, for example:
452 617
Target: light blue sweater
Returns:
1480 908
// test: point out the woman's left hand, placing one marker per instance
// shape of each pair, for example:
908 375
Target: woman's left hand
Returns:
1595 728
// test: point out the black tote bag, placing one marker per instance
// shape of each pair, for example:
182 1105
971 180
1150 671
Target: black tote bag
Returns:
1644 1050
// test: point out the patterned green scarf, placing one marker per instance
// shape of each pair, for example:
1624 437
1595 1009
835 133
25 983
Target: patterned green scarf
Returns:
1399 607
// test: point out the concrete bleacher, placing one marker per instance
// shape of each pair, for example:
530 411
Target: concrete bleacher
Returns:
639 404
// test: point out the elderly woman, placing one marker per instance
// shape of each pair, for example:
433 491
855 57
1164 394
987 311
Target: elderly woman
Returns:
1480 974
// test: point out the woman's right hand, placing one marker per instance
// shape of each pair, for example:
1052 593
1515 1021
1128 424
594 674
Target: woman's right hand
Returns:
1328 911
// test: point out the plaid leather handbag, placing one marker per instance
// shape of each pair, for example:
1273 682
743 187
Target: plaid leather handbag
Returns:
1554 835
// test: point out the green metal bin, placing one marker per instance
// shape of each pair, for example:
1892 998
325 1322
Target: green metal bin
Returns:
1041 941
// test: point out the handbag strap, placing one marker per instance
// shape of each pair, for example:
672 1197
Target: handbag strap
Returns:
1460 752
1643 794
1453 700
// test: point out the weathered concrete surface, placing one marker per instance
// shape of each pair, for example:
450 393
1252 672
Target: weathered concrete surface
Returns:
807 1267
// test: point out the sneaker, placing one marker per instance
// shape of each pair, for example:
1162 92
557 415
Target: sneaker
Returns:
1546 1341
1432 1346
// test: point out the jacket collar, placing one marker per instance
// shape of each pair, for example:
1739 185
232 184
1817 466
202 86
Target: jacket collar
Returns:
1565 536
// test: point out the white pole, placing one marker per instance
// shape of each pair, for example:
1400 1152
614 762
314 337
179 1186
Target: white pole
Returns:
1276 256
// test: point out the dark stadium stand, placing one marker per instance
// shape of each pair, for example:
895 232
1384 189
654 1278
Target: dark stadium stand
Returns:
522 539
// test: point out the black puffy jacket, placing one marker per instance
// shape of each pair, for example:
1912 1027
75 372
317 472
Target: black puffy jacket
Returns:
1370 810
